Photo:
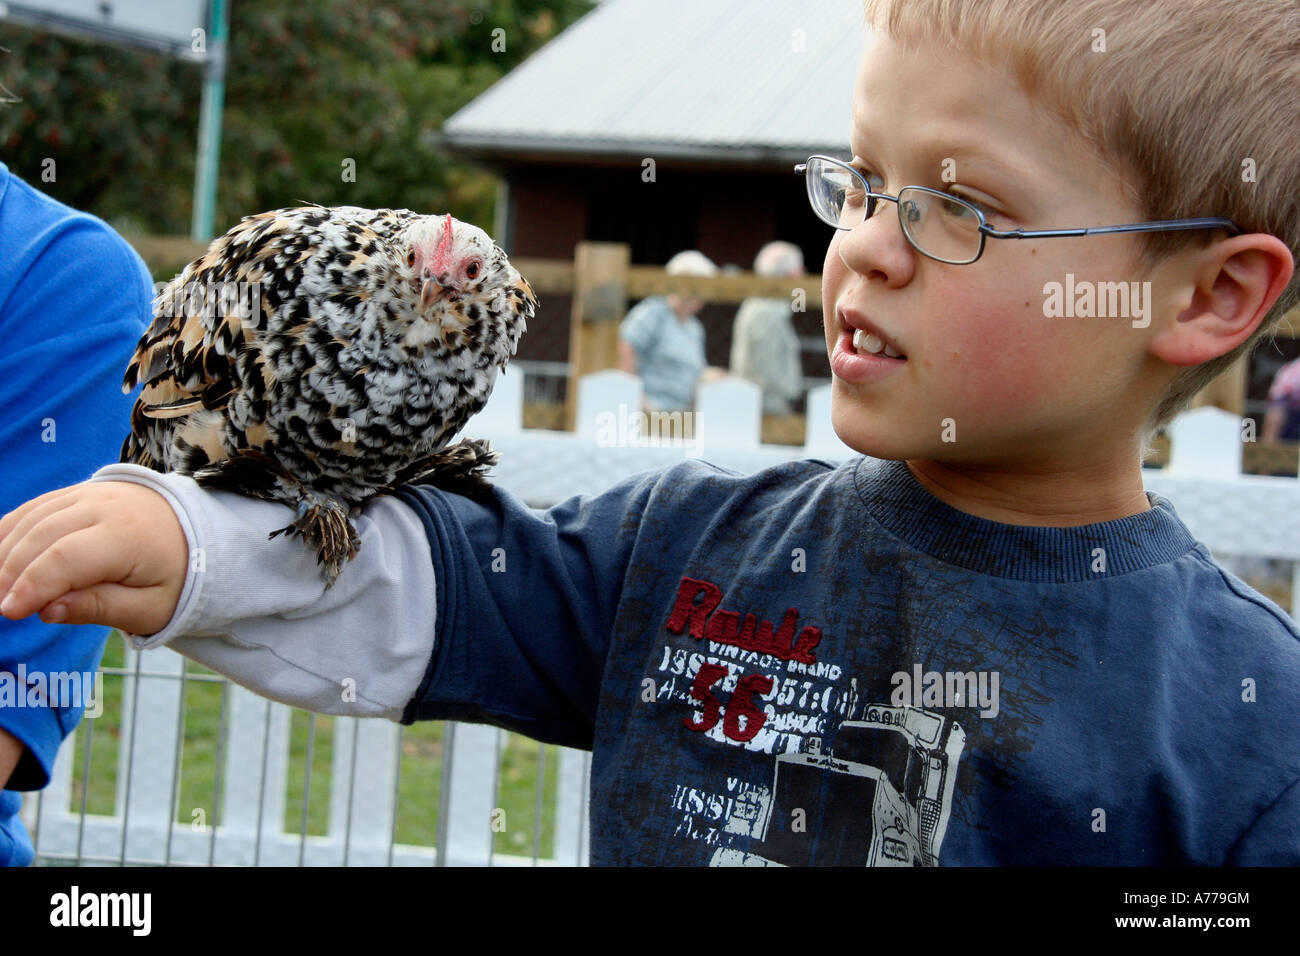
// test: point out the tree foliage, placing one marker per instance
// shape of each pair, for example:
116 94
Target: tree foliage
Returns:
308 86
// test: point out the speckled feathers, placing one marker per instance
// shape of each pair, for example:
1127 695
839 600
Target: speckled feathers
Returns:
318 356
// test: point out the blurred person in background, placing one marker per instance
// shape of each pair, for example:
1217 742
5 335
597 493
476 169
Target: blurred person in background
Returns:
662 342
74 300
1282 423
764 347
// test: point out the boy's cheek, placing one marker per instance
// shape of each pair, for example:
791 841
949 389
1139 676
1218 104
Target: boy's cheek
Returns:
1001 373
1004 399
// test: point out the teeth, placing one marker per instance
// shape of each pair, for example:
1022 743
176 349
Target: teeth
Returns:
864 341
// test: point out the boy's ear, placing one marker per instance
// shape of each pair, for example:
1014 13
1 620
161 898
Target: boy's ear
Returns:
1232 285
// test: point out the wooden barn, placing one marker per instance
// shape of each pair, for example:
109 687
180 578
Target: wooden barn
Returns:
668 125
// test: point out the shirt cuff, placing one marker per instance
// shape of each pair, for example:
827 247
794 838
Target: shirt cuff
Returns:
179 490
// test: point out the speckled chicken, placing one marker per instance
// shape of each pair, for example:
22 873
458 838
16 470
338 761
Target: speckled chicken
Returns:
319 356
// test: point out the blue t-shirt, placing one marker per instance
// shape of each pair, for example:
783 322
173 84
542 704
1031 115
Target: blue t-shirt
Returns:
669 352
74 300
829 665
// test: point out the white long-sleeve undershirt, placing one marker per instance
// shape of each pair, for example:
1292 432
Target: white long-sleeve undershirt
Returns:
257 610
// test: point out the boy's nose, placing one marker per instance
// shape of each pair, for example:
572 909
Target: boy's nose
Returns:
877 247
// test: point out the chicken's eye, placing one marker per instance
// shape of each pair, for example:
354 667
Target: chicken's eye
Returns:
410 258
471 270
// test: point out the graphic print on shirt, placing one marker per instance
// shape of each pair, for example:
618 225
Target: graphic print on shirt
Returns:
890 779
881 796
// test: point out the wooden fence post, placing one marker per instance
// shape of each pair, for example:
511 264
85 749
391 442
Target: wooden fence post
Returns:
599 303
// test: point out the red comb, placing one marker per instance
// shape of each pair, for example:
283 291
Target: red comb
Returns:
443 250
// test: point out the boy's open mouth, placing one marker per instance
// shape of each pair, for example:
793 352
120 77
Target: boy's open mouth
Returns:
867 343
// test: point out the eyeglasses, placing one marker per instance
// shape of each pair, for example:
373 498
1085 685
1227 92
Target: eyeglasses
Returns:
937 224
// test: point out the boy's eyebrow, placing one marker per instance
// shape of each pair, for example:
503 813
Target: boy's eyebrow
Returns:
1001 165
1004 167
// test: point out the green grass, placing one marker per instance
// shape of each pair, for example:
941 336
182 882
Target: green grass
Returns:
419 781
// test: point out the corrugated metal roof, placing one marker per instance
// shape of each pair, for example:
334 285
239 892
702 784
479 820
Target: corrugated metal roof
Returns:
705 78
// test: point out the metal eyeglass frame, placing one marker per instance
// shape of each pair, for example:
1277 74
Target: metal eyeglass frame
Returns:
985 230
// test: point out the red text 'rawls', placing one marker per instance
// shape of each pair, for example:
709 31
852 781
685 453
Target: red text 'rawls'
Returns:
706 621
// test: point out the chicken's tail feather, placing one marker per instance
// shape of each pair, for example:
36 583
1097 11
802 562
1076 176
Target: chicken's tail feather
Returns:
461 469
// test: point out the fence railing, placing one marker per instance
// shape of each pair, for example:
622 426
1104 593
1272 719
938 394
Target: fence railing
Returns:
243 822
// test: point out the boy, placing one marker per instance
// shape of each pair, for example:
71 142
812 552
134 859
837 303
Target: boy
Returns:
991 648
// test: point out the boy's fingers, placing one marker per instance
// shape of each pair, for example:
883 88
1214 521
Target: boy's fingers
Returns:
18 524
68 563
10 520
33 535
116 605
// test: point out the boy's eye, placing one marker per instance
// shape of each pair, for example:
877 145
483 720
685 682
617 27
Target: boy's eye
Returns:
959 210
854 195
874 182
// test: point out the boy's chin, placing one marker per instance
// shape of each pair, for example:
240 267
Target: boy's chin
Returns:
874 444
895 444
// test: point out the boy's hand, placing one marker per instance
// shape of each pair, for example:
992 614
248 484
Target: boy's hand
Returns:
102 552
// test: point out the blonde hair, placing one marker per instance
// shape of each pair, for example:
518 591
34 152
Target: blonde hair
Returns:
1185 93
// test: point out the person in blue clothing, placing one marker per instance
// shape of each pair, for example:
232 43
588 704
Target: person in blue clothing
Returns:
1282 423
661 340
979 642
74 300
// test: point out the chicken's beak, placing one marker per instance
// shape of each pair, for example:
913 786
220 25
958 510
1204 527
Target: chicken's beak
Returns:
429 292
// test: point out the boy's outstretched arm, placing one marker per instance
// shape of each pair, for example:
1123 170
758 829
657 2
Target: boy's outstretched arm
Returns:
454 609
194 570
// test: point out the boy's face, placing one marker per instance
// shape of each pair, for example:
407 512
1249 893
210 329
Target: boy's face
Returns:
982 363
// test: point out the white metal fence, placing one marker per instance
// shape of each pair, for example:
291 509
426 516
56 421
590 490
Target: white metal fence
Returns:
247 817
